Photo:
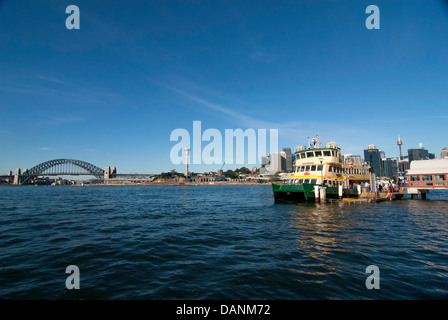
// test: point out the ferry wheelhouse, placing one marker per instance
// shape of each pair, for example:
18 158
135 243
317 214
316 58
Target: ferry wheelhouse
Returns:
321 167
428 174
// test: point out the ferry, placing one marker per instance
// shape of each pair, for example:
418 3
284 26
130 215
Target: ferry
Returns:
321 167
428 174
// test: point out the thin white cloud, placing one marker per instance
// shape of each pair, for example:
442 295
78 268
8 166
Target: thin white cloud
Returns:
63 119
294 131
394 120
5 133
263 57
50 79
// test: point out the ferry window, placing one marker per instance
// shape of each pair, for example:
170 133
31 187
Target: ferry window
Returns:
327 153
306 181
307 168
302 155
302 168
313 168
426 178
427 183
313 181
440 177
319 167
439 184
309 154
330 169
333 153
318 153
325 181
297 169
300 181
415 178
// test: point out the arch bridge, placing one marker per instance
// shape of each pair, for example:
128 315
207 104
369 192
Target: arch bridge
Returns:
66 167
62 167
71 167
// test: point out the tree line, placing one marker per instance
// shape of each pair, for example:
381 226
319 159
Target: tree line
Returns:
232 174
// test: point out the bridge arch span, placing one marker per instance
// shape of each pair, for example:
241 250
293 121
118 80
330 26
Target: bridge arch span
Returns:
44 166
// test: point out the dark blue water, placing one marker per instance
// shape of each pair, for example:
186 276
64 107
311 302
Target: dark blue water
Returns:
217 242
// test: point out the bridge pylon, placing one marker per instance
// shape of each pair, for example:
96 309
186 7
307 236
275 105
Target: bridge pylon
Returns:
17 175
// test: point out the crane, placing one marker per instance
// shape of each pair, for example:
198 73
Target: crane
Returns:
218 177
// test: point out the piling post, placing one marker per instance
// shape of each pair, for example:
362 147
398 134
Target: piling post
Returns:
323 194
316 193
340 192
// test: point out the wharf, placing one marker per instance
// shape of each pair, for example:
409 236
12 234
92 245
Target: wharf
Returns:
367 197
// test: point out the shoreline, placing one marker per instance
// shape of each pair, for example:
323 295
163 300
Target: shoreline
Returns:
148 184
168 184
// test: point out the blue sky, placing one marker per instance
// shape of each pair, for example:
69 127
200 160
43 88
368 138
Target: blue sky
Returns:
112 92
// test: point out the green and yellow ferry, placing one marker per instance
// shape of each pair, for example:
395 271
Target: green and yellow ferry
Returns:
321 167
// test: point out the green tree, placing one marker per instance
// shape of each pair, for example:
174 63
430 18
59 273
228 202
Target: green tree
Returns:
230 174
243 170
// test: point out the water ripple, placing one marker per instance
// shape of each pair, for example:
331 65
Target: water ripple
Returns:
217 243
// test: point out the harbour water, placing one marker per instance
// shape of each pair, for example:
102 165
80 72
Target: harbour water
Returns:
217 242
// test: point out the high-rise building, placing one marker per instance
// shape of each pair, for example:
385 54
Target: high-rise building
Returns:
273 163
373 158
403 164
391 168
444 153
288 159
419 154
354 159
379 164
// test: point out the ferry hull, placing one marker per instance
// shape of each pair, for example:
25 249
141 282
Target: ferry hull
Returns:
305 192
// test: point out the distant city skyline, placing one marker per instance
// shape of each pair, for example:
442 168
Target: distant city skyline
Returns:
111 92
